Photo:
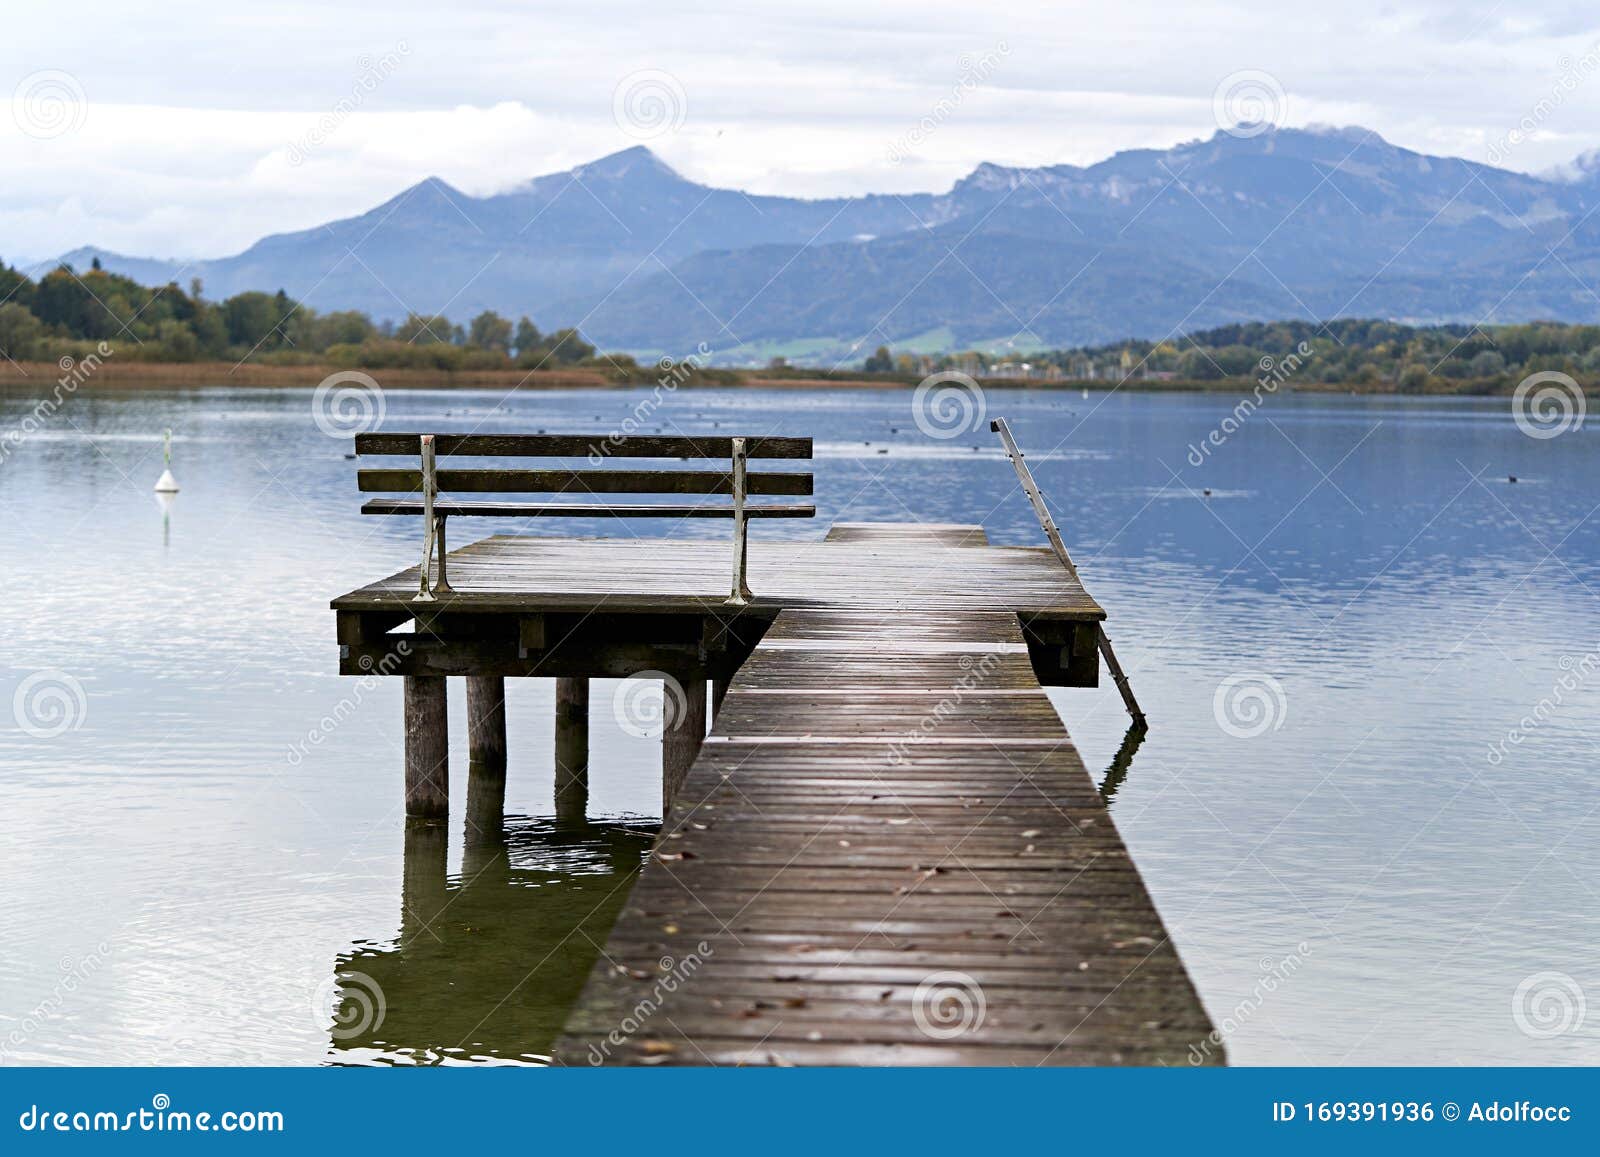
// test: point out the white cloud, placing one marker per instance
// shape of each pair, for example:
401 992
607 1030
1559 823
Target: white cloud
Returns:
193 116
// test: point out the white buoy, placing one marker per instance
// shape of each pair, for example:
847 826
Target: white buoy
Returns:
167 484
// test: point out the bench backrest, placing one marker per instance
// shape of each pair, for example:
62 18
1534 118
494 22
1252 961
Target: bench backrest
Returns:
438 474
714 472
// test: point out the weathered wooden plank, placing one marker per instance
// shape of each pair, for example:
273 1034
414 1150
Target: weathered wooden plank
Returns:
584 509
589 446
935 533
406 481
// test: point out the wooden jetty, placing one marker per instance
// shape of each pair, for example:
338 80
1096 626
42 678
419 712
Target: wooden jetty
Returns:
886 851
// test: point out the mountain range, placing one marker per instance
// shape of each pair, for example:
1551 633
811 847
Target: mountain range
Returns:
1254 224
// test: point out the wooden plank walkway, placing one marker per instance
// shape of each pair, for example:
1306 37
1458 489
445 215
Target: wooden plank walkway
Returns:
889 852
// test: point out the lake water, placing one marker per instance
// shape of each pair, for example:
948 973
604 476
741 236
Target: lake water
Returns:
1386 872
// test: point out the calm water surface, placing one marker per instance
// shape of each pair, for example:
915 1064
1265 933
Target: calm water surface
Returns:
182 885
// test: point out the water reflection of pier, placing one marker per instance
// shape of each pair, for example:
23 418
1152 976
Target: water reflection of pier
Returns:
487 964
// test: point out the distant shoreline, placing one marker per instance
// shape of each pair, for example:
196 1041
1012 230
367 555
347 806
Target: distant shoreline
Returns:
252 375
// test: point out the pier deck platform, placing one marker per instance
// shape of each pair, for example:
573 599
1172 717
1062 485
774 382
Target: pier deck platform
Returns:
886 851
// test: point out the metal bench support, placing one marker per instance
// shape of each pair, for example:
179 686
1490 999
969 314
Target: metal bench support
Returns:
741 589
433 532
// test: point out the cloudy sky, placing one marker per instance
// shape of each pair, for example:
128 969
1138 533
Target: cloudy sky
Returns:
190 128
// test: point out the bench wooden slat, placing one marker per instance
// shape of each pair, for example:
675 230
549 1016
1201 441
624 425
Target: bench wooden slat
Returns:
585 509
582 481
581 446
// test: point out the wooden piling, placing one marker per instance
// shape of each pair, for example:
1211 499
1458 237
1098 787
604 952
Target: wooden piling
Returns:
487 760
680 743
572 750
486 749
486 724
427 747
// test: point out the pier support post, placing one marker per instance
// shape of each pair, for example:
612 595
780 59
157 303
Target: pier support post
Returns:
719 689
427 747
486 747
572 750
486 723
680 743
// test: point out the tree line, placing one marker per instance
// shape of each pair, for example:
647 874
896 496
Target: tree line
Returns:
66 313
1360 353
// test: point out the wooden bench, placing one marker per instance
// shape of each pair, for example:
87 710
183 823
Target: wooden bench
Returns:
427 483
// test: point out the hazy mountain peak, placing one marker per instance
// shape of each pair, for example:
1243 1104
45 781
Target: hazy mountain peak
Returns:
632 163
426 190
990 177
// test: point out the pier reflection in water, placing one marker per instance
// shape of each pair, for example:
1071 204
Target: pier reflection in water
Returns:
487 964
1122 761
